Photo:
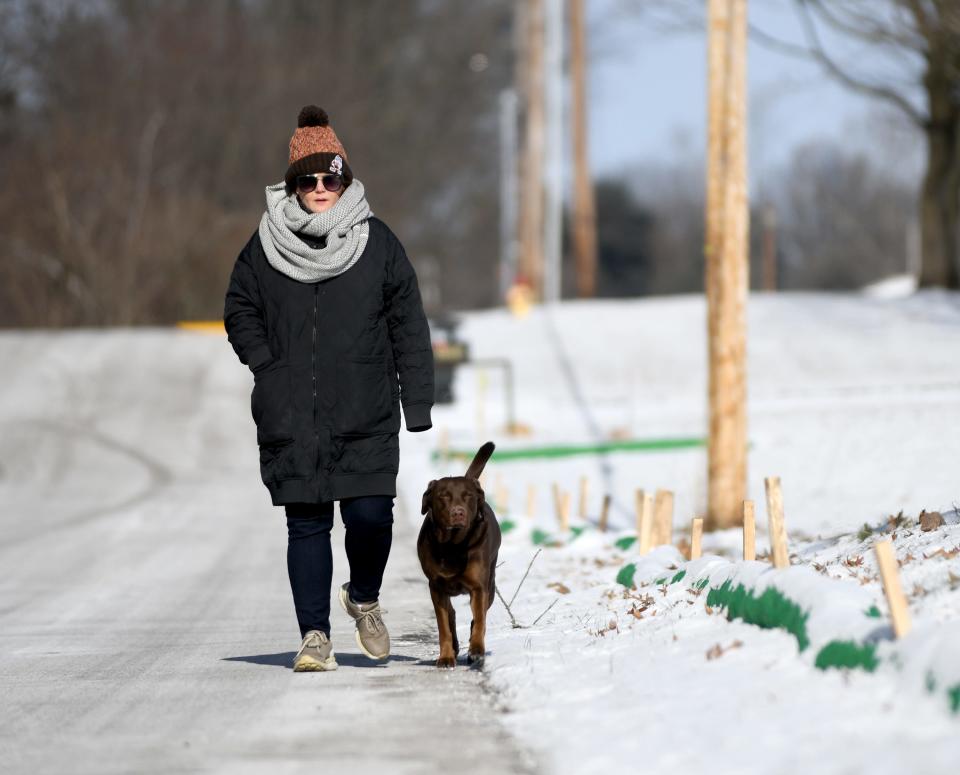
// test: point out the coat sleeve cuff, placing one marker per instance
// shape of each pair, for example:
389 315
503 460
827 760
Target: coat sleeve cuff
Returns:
259 357
417 417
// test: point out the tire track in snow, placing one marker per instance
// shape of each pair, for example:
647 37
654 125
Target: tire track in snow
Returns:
158 474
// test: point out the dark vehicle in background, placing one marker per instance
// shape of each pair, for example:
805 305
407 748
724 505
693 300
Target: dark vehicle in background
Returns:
448 353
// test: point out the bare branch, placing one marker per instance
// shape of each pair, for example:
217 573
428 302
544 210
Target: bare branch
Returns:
919 16
776 44
545 610
864 26
513 621
148 139
870 89
525 575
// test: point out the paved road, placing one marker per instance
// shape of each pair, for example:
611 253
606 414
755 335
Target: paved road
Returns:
146 623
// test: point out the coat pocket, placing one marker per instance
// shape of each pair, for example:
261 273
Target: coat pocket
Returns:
364 401
281 460
270 404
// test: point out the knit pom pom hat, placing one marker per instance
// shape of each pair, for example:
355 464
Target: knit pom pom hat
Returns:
314 148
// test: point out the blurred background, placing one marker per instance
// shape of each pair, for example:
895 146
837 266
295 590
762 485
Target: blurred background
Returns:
137 136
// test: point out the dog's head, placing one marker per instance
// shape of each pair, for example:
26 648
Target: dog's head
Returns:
456 503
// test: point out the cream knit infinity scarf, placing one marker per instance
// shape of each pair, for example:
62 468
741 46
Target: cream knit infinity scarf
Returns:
344 225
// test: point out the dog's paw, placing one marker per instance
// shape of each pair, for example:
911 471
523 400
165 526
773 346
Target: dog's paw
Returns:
475 660
447 662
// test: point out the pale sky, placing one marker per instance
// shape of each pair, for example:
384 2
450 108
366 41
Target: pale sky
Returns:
648 96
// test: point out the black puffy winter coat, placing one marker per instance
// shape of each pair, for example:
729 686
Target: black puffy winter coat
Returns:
332 362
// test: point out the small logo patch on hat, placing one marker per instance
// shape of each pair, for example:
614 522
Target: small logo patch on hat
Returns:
336 165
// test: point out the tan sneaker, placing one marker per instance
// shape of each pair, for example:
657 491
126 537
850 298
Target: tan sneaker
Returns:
372 636
315 654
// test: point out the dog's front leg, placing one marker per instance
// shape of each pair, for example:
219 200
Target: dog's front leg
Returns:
452 620
442 606
478 627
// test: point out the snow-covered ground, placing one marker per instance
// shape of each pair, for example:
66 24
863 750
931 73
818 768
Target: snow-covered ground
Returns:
146 612
853 402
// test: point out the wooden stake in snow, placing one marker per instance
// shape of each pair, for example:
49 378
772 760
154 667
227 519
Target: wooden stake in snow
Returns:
565 512
555 489
749 531
663 518
644 520
777 529
696 534
604 513
444 444
887 562
503 497
584 484
638 510
481 400
531 499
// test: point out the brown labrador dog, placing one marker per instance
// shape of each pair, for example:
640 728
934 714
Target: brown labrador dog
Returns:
458 546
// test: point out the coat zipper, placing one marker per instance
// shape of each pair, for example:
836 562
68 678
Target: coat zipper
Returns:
313 356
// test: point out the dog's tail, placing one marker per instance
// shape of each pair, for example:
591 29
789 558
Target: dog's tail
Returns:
480 460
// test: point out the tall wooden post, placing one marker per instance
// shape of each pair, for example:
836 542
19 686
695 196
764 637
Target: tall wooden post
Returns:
726 261
584 201
532 193
552 285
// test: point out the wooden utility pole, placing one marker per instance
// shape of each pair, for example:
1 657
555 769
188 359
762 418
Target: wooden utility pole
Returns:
552 286
532 193
584 202
726 278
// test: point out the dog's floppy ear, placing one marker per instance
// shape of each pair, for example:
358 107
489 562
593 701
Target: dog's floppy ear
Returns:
480 460
427 497
481 499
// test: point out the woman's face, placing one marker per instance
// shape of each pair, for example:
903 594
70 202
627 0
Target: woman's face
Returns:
319 199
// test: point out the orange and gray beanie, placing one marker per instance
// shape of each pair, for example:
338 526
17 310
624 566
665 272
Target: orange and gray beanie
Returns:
314 148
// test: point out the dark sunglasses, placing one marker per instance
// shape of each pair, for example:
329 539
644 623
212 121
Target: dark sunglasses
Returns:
308 183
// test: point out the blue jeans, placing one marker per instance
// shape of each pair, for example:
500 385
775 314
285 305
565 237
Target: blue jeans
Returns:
369 532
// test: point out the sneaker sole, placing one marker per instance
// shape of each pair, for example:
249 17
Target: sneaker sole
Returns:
307 664
342 596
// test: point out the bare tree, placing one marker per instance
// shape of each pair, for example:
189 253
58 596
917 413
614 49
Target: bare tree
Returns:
925 36
842 220
136 138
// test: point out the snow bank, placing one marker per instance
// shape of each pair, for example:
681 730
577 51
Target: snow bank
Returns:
851 402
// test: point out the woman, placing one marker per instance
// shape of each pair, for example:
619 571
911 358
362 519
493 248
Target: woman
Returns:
323 307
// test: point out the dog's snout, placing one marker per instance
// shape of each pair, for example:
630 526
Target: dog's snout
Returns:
458 516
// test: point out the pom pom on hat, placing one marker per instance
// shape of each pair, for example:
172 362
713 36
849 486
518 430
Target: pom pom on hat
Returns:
311 115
